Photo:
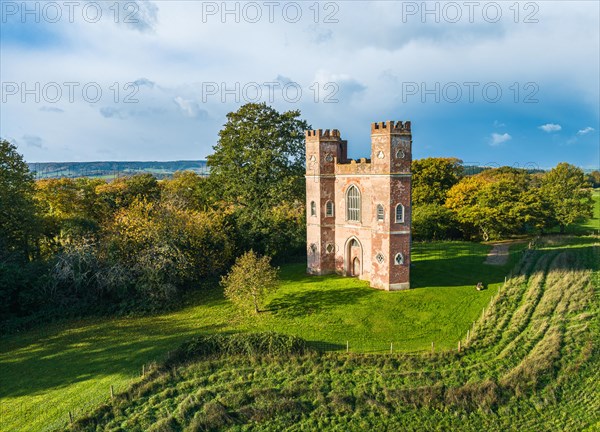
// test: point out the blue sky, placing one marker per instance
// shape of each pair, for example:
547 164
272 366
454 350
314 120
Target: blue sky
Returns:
169 72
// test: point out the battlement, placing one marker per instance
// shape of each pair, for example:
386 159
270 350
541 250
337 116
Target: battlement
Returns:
320 133
390 127
352 166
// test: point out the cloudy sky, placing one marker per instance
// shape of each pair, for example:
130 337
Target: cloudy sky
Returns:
489 82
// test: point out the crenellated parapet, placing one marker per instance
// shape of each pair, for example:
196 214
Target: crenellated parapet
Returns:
333 134
391 127
360 166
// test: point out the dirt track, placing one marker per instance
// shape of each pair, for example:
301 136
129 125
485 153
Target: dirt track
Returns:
498 255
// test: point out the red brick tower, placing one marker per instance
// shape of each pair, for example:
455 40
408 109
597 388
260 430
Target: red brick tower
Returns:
323 149
358 212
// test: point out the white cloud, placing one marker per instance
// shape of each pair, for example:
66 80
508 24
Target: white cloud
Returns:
498 139
189 108
196 52
585 131
550 127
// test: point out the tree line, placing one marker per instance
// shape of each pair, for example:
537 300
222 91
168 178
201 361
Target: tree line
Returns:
78 246
495 203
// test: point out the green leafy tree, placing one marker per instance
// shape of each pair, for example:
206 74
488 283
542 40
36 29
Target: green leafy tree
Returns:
259 158
433 177
433 222
565 188
250 279
18 221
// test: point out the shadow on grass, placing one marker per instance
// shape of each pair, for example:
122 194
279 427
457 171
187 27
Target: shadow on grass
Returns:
457 264
304 303
68 355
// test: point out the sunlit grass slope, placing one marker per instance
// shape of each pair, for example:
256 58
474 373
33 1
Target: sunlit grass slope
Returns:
531 364
47 372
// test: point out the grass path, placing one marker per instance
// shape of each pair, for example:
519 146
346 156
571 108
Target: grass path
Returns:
50 371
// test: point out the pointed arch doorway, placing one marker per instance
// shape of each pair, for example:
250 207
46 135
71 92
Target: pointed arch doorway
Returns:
353 257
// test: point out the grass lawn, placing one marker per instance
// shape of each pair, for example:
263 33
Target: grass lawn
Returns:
529 365
49 371
591 225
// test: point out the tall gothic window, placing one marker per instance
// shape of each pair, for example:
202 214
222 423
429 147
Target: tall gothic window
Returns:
399 213
313 208
329 209
353 204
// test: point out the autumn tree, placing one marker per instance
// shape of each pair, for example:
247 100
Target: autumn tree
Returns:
432 178
250 279
121 192
496 203
594 179
68 209
565 188
187 190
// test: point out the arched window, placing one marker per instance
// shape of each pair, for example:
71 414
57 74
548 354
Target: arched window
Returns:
399 213
329 209
353 204
313 208
399 259
380 212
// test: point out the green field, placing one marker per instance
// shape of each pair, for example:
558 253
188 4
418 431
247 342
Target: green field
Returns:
531 363
50 371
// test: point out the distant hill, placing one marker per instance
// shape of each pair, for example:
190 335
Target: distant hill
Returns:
115 169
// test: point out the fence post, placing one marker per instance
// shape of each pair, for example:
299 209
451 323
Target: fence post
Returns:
391 347
468 335
112 392
432 348
458 346
347 347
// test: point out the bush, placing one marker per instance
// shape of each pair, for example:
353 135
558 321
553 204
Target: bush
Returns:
247 344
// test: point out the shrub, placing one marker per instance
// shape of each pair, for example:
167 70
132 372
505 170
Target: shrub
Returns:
247 344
